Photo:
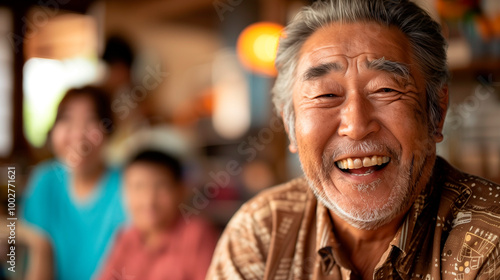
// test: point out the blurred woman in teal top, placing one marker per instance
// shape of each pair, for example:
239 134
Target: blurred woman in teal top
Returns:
74 202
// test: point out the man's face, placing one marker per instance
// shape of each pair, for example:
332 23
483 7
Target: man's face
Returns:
362 128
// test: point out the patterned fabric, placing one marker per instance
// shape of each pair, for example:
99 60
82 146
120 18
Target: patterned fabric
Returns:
451 232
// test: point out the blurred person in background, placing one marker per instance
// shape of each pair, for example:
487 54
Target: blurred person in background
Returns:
129 99
159 243
73 203
119 58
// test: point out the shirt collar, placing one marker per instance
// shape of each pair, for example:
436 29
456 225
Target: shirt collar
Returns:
325 239
412 232
329 249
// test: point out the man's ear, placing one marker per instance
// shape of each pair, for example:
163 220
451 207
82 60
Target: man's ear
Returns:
443 104
292 147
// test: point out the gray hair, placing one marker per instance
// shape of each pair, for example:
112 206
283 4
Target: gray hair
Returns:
424 34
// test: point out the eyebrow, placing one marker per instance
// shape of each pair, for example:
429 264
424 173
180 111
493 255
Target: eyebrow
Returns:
321 70
400 70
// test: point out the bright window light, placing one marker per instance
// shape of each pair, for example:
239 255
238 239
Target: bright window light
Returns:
45 82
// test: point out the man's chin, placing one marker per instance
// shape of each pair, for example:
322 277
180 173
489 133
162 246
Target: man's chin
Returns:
362 218
368 192
364 206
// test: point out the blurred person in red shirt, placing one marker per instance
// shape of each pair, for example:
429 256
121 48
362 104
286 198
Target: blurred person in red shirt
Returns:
159 244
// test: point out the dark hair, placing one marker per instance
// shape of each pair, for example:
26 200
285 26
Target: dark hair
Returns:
117 49
99 99
160 158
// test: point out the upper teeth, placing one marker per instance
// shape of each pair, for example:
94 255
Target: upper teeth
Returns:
355 163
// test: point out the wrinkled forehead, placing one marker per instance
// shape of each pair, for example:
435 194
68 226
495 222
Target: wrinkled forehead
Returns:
360 42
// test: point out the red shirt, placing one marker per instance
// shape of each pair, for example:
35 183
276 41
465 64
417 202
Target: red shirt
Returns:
184 253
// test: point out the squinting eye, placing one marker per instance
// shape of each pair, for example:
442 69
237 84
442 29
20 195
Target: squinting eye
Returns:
327 95
388 90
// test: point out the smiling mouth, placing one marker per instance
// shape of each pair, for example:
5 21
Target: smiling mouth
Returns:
362 166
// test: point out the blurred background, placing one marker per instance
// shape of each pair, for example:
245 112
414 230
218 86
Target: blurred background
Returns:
193 77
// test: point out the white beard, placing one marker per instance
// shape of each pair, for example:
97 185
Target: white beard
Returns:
368 217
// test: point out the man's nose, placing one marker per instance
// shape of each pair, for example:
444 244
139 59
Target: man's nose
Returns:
356 118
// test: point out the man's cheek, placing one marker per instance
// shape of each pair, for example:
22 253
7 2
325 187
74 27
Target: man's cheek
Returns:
313 135
419 150
305 126
310 155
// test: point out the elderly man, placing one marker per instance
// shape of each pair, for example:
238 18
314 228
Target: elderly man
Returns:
362 89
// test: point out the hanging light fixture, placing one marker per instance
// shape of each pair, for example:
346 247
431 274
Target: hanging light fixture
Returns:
257 46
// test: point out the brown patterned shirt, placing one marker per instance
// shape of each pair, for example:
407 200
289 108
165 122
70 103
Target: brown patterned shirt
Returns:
451 232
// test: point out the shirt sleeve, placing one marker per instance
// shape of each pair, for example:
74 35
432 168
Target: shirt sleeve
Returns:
240 252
